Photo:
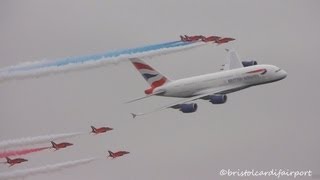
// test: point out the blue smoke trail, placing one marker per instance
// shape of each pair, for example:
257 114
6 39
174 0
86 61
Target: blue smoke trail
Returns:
83 59
43 68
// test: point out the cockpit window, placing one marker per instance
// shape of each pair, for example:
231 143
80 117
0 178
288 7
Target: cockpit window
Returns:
278 70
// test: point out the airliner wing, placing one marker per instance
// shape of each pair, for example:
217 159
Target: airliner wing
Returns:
233 61
139 98
149 95
176 105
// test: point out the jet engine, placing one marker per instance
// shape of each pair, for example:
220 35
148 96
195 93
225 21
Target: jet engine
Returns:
249 63
188 108
218 99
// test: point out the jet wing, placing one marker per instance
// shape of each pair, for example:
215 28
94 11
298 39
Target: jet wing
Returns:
233 61
154 94
176 105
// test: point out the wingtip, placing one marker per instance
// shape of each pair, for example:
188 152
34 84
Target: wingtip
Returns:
127 102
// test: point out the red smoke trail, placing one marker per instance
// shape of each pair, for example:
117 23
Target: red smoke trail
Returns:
24 173
20 152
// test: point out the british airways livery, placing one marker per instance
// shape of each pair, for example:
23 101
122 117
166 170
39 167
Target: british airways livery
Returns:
235 75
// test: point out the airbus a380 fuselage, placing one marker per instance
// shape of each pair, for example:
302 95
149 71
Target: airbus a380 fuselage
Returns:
238 78
236 75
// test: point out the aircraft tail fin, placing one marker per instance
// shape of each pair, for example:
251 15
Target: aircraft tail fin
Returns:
54 145
93 129
153 77
233 61
110 153
8 159
134 115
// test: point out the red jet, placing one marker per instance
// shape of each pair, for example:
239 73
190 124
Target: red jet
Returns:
210 38
224 40
60 145
12 162
117 154
191 38
100 130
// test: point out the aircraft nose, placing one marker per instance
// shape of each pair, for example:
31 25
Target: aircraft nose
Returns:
284 74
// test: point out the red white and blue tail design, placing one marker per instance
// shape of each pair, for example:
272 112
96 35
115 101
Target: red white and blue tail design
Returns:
154 78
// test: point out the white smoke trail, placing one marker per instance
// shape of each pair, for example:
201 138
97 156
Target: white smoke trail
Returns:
44 68
43 169
35 140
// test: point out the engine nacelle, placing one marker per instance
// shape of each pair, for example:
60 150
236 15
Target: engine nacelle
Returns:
249 63
188 108
218 99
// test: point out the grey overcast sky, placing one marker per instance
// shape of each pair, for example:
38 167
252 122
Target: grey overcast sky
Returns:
266 127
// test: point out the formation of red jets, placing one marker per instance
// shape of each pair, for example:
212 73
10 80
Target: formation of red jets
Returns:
215 39
57 146
63 145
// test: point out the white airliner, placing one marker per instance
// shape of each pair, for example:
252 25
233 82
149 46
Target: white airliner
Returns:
235 76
